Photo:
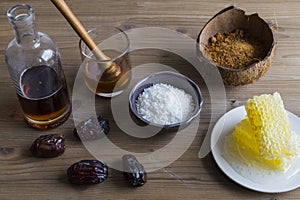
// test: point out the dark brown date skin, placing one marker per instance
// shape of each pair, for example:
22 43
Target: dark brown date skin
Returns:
134 172
87 172
92 128
48 146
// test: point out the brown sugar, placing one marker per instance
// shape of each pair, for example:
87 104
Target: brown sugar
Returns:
234 50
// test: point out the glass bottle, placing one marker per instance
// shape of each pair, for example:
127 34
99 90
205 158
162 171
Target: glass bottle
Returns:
34 65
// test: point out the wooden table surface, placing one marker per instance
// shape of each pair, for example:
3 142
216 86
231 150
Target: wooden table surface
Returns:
23 176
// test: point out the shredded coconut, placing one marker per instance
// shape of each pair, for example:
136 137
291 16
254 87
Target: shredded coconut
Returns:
164 104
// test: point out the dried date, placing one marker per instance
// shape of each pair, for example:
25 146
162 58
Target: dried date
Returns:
87 172
48 146
134 172
92 128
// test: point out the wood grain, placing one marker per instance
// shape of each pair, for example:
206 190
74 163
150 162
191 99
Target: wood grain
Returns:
25 177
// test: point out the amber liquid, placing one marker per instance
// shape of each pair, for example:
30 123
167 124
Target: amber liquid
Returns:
45 101
102 83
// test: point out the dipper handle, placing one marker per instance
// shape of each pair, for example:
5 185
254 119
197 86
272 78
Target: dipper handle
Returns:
111 67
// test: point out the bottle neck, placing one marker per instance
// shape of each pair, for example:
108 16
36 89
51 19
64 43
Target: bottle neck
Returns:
22 19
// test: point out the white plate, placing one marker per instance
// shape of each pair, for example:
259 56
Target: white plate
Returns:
225 126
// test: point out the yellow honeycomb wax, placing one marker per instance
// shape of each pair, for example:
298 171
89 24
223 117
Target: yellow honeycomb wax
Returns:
264 137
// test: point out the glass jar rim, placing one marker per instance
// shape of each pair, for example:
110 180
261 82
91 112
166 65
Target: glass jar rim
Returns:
108 60
20 17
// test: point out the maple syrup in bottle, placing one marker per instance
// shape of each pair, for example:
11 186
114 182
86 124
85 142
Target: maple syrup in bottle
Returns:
34 65
45 98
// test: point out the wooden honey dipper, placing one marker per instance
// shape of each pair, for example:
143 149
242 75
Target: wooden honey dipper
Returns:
111 67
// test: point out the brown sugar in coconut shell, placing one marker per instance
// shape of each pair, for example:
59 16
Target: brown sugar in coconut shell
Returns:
228 21
234 50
